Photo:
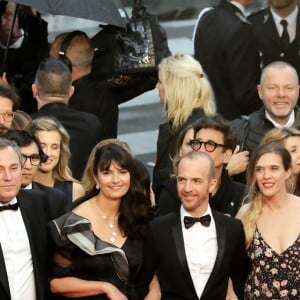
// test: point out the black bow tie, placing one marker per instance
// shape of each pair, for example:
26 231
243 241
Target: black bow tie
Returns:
14 206
190 221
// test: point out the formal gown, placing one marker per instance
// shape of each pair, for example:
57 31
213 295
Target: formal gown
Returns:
80 253
273 275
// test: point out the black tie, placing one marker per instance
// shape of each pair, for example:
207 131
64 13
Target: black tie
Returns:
190 221
9 207
285 38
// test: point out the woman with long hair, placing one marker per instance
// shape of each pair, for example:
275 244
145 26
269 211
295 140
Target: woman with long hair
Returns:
290 139
55 171
186 95
272 226
99 243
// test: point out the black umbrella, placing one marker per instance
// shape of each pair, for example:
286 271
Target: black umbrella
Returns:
104 11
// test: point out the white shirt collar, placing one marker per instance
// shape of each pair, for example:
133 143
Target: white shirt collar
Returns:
184 213
13 201
240 7
289 123
291 19
28 187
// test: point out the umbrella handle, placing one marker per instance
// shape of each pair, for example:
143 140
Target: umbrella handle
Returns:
8 39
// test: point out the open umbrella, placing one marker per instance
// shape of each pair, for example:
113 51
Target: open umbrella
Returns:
104 11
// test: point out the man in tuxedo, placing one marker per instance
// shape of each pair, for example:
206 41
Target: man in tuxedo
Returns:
277 32
194 252
224 45
24 251
52 89
33 155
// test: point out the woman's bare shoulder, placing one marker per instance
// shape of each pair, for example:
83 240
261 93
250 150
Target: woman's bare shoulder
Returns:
242 211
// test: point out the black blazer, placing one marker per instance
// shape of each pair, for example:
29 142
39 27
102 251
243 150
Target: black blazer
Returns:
268 40
224 45
84 129
165 253
35 216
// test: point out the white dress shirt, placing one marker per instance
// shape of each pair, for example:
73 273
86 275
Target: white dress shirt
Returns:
17 255
289 123
200 244
292 23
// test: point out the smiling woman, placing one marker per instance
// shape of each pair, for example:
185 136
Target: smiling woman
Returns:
272 226
55 172
111 220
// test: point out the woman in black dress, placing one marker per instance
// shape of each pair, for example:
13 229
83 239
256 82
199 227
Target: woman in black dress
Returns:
99 243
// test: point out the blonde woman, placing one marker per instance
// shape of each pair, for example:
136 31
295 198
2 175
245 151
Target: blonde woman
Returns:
290 139
55 172
272 226
186 95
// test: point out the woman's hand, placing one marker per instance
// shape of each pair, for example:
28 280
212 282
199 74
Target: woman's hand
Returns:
112 292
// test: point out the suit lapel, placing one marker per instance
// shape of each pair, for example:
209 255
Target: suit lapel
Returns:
221 238
33 229
3 275
270 28
179 242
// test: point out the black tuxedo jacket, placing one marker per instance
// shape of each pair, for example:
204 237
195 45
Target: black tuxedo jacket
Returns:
84 129
224 45
268 40
55 200
165 254
35 216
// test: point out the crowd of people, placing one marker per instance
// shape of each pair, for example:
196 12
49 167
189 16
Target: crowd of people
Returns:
79 215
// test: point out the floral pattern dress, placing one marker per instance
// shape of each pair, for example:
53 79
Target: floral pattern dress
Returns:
273 275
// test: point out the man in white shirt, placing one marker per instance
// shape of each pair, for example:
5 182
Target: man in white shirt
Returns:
273 41
194 252
24 244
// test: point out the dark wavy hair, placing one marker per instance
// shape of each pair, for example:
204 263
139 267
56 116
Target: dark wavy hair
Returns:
134 207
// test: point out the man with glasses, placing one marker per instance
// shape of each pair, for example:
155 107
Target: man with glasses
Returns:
32 156
214 137
9 102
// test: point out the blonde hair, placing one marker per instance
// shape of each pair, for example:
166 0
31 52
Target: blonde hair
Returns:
254 196
21 120
186 88
88 181
61 171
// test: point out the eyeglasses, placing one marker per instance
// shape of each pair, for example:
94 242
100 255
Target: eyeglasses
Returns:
209 146
34 159
7 116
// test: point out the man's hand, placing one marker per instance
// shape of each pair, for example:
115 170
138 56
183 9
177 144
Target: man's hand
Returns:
238 162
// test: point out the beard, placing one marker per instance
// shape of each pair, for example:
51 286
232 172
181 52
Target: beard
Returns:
3 130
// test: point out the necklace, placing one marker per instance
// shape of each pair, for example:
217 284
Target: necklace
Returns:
111 226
